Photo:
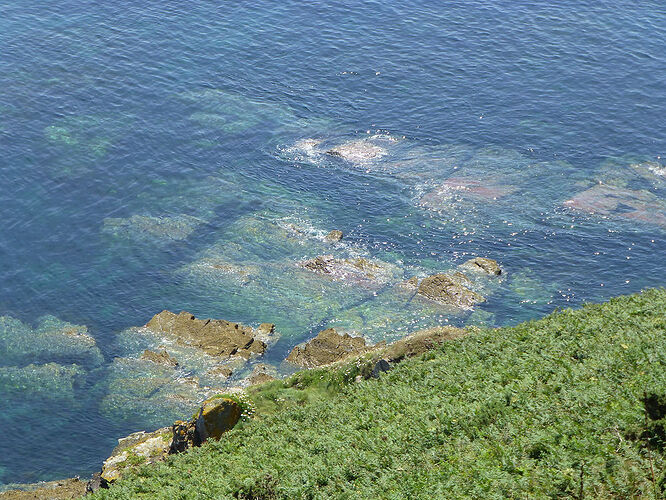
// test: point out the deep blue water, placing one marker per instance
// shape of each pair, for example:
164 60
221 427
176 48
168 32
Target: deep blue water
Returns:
193 114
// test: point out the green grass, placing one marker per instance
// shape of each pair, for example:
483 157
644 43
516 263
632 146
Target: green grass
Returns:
549 408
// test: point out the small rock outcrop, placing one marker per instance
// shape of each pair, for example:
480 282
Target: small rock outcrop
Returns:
216 337
327 347
161 358
262 373
359 270
449 289
136 449
484 265
334 235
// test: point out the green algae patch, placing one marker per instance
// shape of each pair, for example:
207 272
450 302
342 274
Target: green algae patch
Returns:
567 406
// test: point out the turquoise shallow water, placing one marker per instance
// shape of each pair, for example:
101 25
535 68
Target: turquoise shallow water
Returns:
142 146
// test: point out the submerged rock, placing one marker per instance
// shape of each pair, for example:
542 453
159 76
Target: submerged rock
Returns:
216 337
614 201
327 347
358 152
467 188
450 289
177 227
161 358
51 340
354 270
484 265
50 380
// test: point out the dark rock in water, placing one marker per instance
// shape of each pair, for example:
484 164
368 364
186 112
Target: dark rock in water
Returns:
161 358
449 289
327 347
335 235
380 366
216 337
488 266
51 490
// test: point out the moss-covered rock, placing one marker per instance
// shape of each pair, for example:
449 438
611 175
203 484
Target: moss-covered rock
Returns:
216 416
136 449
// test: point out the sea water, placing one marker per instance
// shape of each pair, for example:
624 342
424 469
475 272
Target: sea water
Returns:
174 156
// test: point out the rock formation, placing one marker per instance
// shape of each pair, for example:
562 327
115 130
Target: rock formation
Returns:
216 337
327 347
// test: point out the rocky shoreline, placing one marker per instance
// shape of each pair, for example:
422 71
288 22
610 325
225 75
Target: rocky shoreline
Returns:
220 413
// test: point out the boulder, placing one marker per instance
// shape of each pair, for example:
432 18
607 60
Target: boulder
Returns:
484 265
216 337
327 347
449 289
161 358
216 416
334 235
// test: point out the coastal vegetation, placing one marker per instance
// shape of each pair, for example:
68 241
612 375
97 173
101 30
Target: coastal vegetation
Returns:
572 405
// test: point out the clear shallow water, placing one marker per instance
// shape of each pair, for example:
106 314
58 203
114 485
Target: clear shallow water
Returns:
191 120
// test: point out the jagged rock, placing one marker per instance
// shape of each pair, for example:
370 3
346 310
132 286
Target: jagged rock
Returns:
359 270
52 490
161 358
482 264
216 337
449 289
327 347
334 235
136 449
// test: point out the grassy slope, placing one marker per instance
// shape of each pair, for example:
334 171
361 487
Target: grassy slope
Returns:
547 408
